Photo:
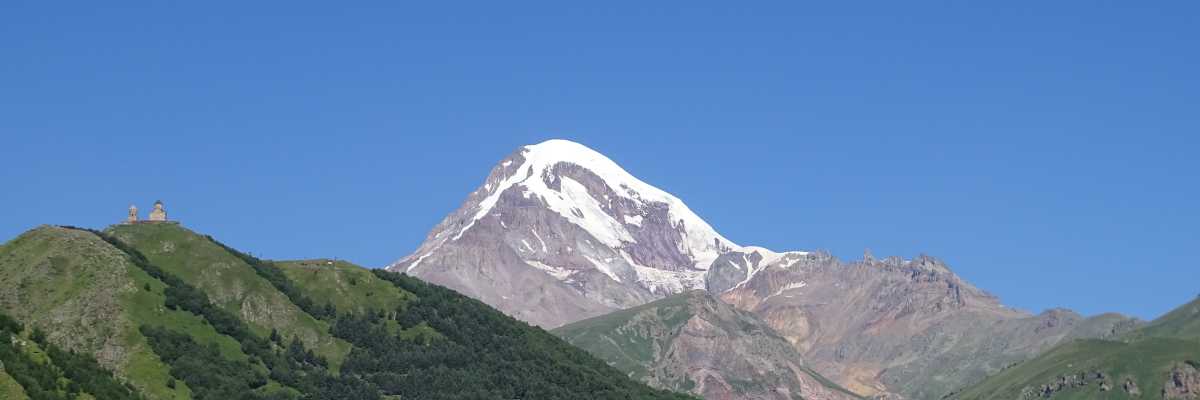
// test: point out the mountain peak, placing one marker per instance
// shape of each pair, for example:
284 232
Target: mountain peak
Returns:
544 159
583 186
547 154
565 211
566 150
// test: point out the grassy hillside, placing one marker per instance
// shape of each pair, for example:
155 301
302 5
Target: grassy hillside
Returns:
89 298
629 350
231 283
1139 364
178 315
348 287
1182 322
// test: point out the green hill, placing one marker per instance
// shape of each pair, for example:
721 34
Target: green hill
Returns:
1159 360
172 314
230 283
89 297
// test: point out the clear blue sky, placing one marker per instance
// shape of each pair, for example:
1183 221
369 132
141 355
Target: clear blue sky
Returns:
1046 150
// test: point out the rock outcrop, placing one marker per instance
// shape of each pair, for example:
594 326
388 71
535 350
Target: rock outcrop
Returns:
1131 388
1068 382
1184 382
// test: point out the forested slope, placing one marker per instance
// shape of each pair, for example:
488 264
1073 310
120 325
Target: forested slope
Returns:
193 318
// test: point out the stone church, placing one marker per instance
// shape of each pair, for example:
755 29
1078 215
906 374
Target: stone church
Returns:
158 214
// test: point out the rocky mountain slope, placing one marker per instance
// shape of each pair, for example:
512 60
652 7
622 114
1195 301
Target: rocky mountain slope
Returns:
1158 361
559 233
695 343
905 327
172 314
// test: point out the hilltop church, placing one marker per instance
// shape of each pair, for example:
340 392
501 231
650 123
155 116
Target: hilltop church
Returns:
159 214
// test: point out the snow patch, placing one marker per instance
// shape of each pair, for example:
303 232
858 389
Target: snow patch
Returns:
768 257
539 238
578 206
790 286
556 272
663 282
602 267
635 220
787 264
415 263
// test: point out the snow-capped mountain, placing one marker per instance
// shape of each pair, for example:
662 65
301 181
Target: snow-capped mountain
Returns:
559 232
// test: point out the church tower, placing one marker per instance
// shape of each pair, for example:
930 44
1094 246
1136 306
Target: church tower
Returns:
158 214
132 214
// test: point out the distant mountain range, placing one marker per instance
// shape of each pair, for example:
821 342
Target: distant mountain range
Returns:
559 233
902 327
1158 361
643 299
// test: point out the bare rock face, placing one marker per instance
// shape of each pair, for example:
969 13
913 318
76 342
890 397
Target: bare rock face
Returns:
1183 382
1130 386
695 343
